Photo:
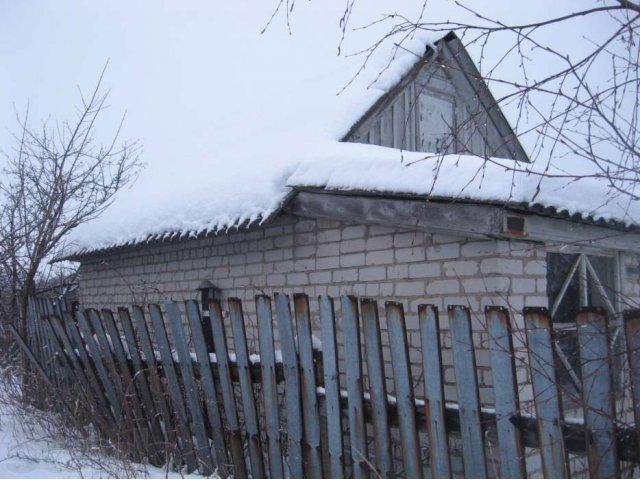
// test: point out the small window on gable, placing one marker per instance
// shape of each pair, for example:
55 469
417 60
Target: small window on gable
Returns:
437 122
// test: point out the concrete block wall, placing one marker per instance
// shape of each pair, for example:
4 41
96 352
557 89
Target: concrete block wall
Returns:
320 257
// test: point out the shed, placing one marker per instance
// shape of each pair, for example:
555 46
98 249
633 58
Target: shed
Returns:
416 189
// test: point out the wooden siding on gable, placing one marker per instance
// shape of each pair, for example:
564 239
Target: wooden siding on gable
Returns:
441 106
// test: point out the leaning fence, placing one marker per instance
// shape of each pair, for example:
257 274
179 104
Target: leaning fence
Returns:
170 385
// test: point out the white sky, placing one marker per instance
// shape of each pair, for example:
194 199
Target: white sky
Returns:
207 94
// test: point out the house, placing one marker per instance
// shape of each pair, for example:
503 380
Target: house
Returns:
415 188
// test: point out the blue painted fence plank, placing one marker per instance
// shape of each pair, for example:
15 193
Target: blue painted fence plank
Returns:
597 390
269 385
404 389
226 386
439 458
505 388
246 388
353 360
542 362
310 413
331 375
377 387
464 363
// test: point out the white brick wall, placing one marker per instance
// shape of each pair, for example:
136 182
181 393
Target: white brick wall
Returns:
327 257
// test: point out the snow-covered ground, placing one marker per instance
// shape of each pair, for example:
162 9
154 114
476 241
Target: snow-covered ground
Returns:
32 447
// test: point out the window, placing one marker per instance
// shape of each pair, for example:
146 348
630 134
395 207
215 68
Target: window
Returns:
437 122
577 280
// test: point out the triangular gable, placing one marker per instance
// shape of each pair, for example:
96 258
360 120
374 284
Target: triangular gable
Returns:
441 106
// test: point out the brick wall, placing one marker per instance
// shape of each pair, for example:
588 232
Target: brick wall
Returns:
327 257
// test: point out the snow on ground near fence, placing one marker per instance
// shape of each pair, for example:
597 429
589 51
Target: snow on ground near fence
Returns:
28 449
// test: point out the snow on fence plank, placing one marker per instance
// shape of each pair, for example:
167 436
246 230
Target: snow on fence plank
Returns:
107 379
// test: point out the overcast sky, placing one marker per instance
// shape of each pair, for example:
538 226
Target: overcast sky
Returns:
50 48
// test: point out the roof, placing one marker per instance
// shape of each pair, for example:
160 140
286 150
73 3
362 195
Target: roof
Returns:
267 115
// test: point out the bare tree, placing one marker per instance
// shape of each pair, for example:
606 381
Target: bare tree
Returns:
56 178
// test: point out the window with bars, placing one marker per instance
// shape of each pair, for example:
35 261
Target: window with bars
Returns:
577 280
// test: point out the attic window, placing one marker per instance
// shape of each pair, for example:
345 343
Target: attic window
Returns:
437 122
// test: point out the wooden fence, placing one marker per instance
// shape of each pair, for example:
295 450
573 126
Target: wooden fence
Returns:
152 383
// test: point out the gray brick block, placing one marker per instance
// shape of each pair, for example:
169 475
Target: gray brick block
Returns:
371 274
353 260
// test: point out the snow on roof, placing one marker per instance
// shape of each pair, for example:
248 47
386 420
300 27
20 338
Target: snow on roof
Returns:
234 119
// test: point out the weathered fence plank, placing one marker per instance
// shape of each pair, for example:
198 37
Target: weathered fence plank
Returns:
545 391
310 413
168 367
597 389
505 390
190 389
96 402
131 397
404 389
269 391
439 458
79 346
140 378
209 390
291 384
226 387
377 387
353 367
96 357
111 373
158 393
246 388
335 445
464 363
